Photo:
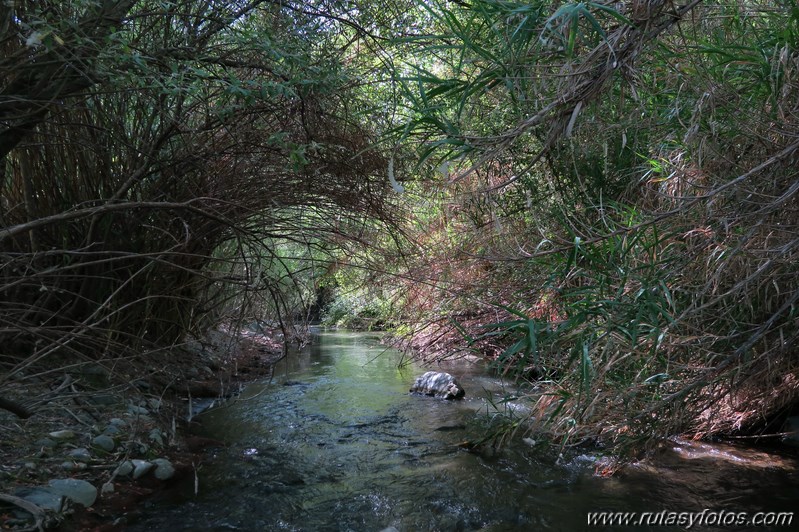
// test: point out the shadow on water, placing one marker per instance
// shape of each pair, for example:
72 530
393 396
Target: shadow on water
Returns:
335 442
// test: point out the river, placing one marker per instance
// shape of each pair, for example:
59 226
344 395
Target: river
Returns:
334 442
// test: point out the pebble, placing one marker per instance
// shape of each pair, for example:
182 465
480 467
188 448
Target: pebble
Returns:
112 430
141 468
73 466
107 488
81 454
46 442
157 437
124 469
63 435
164 470
140 410
79 491
104 442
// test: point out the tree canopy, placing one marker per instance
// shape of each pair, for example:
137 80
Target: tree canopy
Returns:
598 196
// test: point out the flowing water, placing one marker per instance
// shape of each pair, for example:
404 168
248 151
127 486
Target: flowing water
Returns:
335 442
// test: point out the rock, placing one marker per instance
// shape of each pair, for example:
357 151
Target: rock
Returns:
124 469
157 437
46 442
80 454
73 466
79 491
104 442
438 384
164 470
138 410
62 435
43 498
107 488
117 422
112 430
141 468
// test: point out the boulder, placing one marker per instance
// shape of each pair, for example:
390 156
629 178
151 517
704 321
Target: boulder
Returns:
438 384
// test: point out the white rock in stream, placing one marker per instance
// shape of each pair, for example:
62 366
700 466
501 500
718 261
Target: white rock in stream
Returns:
438 384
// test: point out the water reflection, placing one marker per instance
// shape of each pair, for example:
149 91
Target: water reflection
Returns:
335 442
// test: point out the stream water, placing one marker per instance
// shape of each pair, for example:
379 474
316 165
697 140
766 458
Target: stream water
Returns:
335 442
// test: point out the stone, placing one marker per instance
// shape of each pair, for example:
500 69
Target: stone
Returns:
112 430
104 442
107 488
46 443
141 468
164 470
138 410
80 454
72 466
124 469
438 384
157 437
43 498
62 435
80 491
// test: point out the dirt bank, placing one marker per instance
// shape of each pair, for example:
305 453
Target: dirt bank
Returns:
98 417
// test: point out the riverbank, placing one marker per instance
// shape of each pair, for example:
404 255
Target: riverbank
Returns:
111 436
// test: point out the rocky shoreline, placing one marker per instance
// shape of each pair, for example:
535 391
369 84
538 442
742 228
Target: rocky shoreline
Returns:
88 458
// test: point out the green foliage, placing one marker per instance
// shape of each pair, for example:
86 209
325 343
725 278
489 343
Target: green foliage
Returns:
358 310
616 176
169 166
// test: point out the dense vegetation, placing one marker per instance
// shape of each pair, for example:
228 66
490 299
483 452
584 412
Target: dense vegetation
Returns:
165 164
601 197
